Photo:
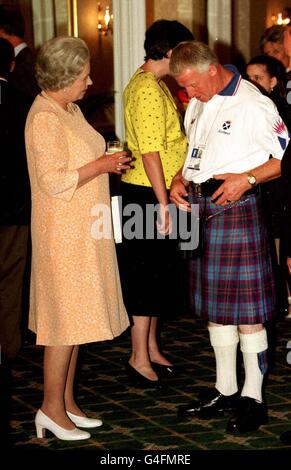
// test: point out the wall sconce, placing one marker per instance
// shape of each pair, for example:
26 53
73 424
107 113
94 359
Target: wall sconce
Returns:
282 18
105 20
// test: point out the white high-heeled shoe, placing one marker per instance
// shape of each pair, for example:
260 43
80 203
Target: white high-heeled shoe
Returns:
43 422
84 422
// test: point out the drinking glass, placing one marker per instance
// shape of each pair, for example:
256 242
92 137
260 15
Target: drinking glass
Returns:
114 146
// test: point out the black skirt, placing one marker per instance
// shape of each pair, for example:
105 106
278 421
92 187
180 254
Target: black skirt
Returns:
154 278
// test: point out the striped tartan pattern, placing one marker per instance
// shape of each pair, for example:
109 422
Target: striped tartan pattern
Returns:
233 282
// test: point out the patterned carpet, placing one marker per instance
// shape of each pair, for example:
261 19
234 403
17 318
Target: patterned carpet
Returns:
139 419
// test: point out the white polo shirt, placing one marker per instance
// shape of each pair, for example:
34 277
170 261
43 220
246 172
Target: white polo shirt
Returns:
239 127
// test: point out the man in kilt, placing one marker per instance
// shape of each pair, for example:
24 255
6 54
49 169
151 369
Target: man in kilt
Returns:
236 141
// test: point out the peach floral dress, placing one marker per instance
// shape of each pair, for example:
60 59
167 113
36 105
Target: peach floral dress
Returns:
75 292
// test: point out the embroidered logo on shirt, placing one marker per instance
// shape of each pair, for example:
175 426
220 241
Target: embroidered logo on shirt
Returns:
225 128
281 131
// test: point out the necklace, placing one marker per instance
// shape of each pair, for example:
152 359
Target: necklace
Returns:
71 107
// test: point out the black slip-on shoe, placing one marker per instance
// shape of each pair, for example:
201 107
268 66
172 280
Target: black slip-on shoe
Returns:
135 378
164 371
249 416
212 404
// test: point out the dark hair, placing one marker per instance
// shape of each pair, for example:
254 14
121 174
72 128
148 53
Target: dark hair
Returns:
272 34
12 21
164 35
6 57
275 68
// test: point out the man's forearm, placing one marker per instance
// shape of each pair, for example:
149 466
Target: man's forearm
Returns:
267 171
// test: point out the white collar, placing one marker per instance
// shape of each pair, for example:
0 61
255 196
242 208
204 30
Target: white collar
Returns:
19 48
3 79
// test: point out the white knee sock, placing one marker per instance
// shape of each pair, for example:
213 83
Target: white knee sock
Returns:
224 341
251 345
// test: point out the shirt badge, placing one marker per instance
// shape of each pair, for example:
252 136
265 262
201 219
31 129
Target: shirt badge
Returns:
225 127
281 131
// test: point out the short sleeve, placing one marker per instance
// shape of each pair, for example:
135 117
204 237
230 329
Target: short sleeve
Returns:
148 118
52 157
269 131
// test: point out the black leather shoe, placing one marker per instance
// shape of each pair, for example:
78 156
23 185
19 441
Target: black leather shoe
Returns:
140 380
164 371
249 416
212 404
286 438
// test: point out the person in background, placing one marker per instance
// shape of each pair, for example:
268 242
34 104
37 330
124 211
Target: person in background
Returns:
286 176
269 75
151 272
12 28
232 129
14 222
287 47
14 204
271 44
22 78
75 288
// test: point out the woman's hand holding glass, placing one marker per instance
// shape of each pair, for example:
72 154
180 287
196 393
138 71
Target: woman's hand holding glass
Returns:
115 163
113 146
115 159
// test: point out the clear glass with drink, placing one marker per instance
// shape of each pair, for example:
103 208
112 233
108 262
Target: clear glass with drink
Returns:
114 146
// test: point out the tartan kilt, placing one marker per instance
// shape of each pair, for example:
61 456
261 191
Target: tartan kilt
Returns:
233 282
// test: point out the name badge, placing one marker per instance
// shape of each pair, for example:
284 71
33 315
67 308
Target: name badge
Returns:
195 159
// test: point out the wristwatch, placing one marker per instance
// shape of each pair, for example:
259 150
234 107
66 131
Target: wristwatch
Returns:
252 179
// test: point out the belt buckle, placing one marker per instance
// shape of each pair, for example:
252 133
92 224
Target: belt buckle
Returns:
197 189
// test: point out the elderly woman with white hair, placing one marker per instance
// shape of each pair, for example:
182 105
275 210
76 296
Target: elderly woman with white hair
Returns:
75 287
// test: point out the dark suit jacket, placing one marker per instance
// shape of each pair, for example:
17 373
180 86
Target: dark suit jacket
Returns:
274 192
23 77
286 178
14 180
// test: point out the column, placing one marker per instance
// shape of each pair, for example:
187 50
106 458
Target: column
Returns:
129 26
199 20
219 20
242 30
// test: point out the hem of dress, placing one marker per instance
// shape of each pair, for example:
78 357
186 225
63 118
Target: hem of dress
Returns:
81 341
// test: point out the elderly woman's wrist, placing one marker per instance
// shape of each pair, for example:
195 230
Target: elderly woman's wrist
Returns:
97 169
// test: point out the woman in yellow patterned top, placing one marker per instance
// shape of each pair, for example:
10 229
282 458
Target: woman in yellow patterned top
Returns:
150 268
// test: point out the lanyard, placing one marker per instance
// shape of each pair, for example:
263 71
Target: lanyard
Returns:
197 149
207 128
